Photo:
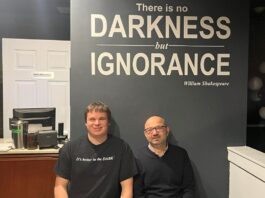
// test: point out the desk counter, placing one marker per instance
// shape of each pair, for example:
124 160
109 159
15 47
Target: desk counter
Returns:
27 173
29 151
247 172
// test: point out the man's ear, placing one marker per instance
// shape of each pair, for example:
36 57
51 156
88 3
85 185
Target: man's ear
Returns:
168 130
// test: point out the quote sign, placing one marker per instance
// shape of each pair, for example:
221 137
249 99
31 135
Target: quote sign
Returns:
168 40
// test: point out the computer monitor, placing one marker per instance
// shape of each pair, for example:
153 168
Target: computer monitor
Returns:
38 118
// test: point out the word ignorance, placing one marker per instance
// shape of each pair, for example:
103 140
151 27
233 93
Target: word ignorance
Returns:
141 64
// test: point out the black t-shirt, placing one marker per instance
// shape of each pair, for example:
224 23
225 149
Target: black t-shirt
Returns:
95 171
169 176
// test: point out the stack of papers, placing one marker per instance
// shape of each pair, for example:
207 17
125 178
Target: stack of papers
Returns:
6 144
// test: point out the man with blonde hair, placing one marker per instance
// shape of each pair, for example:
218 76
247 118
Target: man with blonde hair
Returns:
96 165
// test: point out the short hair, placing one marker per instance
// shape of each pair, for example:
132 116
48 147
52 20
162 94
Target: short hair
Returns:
98 107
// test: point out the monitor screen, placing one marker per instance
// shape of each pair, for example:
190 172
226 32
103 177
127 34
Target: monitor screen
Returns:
38 118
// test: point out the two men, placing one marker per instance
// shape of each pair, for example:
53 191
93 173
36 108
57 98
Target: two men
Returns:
96 165
164 169
99 165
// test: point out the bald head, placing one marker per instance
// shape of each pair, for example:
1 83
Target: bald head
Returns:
154 121
156 131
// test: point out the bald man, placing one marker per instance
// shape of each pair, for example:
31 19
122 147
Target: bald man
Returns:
164 170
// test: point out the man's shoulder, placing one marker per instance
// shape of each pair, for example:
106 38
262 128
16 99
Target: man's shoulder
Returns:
141 151
141 148
74 142
78 139
177 150
118 143
116 140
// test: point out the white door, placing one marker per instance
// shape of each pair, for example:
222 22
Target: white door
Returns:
36 73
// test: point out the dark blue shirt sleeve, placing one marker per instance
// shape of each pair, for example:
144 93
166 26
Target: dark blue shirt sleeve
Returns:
128 166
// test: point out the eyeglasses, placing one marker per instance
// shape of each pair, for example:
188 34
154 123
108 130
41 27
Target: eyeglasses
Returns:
157 129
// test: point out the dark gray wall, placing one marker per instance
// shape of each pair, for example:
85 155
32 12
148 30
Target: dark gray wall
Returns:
204 119
32 19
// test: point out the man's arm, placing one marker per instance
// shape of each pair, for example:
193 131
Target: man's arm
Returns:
60 188
188 179
127 188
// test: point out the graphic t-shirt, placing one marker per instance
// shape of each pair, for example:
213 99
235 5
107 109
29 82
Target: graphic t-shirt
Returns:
95 171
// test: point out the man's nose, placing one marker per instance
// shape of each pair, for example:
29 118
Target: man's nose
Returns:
154 132
97 122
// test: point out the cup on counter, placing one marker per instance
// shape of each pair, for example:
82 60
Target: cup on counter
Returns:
19 129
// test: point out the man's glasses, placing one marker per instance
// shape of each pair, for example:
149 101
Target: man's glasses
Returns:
157 129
